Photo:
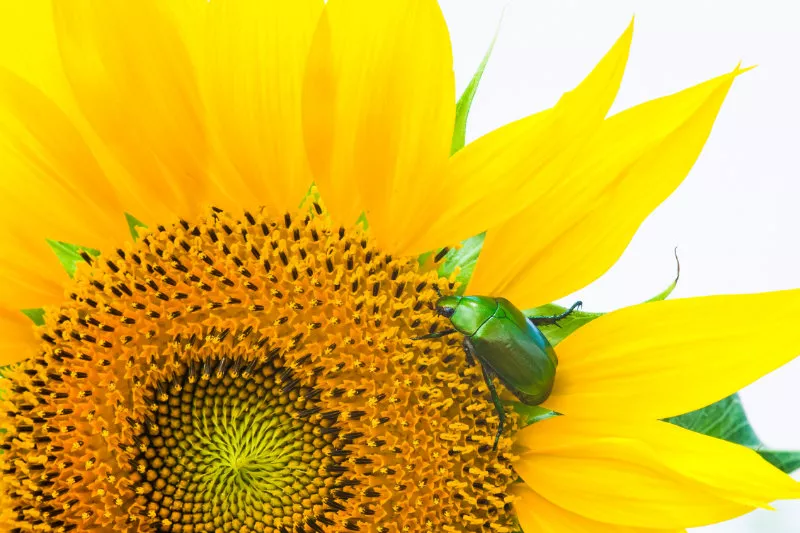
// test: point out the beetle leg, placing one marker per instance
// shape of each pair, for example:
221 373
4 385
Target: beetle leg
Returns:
498 405
553 320
435 335
468 352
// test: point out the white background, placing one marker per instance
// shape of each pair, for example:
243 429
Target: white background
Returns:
735 220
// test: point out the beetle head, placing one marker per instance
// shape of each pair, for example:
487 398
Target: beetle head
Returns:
445 311
446 305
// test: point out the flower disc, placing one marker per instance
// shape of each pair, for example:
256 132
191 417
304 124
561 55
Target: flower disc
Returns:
251 374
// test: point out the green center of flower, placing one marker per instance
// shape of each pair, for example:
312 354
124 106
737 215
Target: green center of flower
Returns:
231 440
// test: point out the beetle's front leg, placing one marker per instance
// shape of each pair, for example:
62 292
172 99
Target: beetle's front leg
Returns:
498 405
470 357
435 335
553 320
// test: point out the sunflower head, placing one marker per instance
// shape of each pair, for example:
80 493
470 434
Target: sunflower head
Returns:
251 373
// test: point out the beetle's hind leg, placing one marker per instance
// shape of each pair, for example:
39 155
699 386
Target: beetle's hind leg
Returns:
498 405
553 320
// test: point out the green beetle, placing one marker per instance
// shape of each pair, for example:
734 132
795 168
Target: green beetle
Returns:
507 343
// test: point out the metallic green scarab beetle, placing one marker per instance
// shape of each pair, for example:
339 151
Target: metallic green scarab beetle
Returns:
507 344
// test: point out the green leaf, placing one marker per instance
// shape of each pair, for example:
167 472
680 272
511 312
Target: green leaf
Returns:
363 222
726 419
69 254
37 315
312 201
465 101
530 414
786 460
464 257
666 292
133 225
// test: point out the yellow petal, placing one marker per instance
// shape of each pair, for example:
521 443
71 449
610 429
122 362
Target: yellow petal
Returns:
502 172
31 277
135 83
30 274
28 44
52 186
663 359
190 18
256 54
578 226
17 338
379 109
537 515
645 474
29 48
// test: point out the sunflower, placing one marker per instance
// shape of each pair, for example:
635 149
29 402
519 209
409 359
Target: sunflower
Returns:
241 355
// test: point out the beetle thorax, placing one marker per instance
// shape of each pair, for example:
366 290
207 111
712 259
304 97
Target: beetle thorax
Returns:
471 313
